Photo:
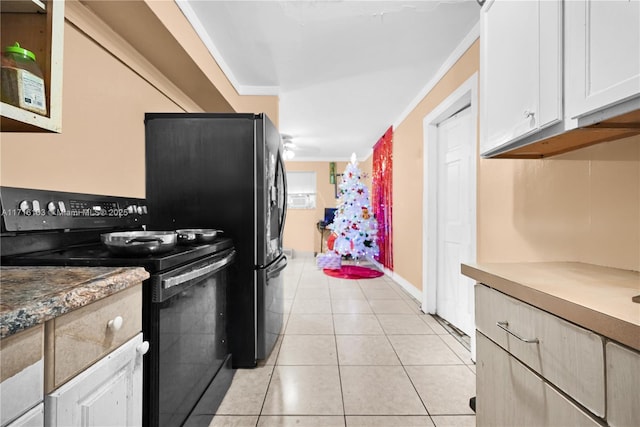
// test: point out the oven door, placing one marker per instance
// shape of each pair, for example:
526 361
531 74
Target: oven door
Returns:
186 324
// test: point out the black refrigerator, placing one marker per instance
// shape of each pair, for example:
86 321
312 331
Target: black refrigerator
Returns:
226 171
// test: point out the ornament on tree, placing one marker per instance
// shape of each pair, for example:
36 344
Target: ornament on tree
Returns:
355 229
331 240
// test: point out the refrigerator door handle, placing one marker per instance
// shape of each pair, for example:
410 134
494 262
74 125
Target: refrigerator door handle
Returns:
284 193
277 268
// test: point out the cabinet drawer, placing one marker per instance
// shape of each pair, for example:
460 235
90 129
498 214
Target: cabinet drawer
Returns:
623 386
510 394
570 357
22 373
83 336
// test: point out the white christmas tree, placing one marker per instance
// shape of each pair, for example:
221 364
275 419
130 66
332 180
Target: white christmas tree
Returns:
354 225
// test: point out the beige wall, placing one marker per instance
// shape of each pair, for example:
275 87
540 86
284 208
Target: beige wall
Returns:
172 18
101 147
581 206
300 231
408 159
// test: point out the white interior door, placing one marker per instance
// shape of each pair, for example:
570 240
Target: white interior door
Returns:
454 292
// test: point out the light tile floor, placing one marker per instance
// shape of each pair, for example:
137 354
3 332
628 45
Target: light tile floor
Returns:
353 353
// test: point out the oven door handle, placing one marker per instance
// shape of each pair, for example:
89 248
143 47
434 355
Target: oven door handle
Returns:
197 272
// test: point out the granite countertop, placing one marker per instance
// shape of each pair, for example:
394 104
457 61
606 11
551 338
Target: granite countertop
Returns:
32 295
594 297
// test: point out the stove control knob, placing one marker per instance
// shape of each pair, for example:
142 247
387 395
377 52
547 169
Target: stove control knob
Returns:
115 324
52 208
131 209
144 210
24 207
139 210
36 207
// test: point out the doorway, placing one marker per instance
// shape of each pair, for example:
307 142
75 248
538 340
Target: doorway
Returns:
449 222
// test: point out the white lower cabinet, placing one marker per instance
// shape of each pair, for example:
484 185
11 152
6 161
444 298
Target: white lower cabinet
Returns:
536 369
623 386
33 418
510 394
109 393
22 378
568 356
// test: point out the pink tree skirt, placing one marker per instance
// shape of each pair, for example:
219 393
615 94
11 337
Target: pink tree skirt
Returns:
353 272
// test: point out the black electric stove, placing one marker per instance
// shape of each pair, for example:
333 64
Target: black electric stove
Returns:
97 255
184 302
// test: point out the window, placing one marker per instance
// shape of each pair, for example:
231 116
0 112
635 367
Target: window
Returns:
301 190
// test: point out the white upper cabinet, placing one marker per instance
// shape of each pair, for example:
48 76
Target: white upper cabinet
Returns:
603 54
557 75
520 69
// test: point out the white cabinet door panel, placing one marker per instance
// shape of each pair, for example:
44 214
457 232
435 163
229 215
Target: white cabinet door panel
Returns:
109 393
623 386
22 373
521 69
550 79
33 418
509 46
602 53
22 391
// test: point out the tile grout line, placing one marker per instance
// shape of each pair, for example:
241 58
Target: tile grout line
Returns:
335 341
424 405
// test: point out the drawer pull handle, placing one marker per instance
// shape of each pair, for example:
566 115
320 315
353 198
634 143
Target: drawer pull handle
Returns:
505 325
115 324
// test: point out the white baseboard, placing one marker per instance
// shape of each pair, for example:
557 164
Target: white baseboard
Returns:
303 254
294 253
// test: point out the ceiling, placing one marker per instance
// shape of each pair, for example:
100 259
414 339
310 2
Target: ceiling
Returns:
344 71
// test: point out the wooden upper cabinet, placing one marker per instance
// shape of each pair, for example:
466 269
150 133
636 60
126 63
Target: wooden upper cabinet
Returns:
521 51
38 26
603 54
